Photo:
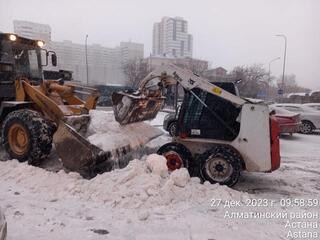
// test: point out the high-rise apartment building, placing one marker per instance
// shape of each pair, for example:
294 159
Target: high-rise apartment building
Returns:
171 38
32 30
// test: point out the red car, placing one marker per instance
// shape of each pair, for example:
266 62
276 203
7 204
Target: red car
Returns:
289 122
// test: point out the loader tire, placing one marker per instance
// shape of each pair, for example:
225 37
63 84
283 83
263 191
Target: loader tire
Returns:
26 135
220 165
177 156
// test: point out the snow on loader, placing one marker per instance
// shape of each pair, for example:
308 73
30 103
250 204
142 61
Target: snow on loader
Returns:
36 112
219 134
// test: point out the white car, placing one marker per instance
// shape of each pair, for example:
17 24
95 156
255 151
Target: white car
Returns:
3 226
315 106
310 118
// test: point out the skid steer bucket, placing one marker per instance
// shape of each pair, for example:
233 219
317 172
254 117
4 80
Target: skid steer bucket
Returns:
135 107
78 154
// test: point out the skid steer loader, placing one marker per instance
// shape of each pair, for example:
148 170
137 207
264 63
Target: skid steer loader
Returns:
219 134
36 112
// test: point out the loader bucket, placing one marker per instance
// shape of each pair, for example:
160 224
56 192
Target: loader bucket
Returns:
131 108
78 154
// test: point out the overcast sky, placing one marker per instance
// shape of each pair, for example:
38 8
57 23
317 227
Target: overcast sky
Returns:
226 32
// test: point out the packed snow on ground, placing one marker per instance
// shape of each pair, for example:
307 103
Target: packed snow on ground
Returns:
144 201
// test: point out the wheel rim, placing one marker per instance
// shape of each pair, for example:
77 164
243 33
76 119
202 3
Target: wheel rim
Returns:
173 129
305 128
218 169
18 139
174 161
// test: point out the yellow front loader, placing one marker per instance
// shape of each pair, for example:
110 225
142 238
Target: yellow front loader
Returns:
36 112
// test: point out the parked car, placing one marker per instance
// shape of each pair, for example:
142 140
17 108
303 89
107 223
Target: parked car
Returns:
310 118
289 122
170 122
3 226
315 106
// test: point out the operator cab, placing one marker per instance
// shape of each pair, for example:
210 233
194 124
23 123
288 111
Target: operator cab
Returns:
20 58
216 119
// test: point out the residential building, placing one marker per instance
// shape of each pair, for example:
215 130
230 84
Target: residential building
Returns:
219 71
105 65
131 50
171 38
219 74
32 30
196 65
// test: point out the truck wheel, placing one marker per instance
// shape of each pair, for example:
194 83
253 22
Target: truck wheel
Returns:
306 127
26 135
177 156
220 165
172 129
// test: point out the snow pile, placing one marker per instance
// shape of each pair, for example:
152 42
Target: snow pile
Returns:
180 177
39 204
157 164
135 186
107 134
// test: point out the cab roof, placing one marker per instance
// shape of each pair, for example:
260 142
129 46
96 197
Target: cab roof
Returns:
5 36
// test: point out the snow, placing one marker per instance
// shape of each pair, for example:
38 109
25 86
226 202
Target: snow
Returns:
144 201
135 186
66 206
107 134
158 121
180 177
157 164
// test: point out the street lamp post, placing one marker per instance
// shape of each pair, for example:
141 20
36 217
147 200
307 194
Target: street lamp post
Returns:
87 69
284 58
269 73
275 59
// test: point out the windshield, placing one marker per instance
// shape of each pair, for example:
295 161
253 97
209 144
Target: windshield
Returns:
25 58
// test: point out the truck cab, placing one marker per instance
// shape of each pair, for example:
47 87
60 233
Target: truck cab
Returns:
20 58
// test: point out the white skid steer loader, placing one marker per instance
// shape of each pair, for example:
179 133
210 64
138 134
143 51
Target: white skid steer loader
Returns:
218 133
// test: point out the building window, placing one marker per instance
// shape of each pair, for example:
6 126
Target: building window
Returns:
182 26
174 35
189 43
182 48
174 52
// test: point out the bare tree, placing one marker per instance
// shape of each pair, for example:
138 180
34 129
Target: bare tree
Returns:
254 79
135 70
291 85
195 65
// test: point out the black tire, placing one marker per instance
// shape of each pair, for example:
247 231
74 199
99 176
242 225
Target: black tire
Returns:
306 127
183 153
218 161
172 129
39 134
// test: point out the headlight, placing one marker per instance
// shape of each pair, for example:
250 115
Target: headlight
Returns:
40 43
12 37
